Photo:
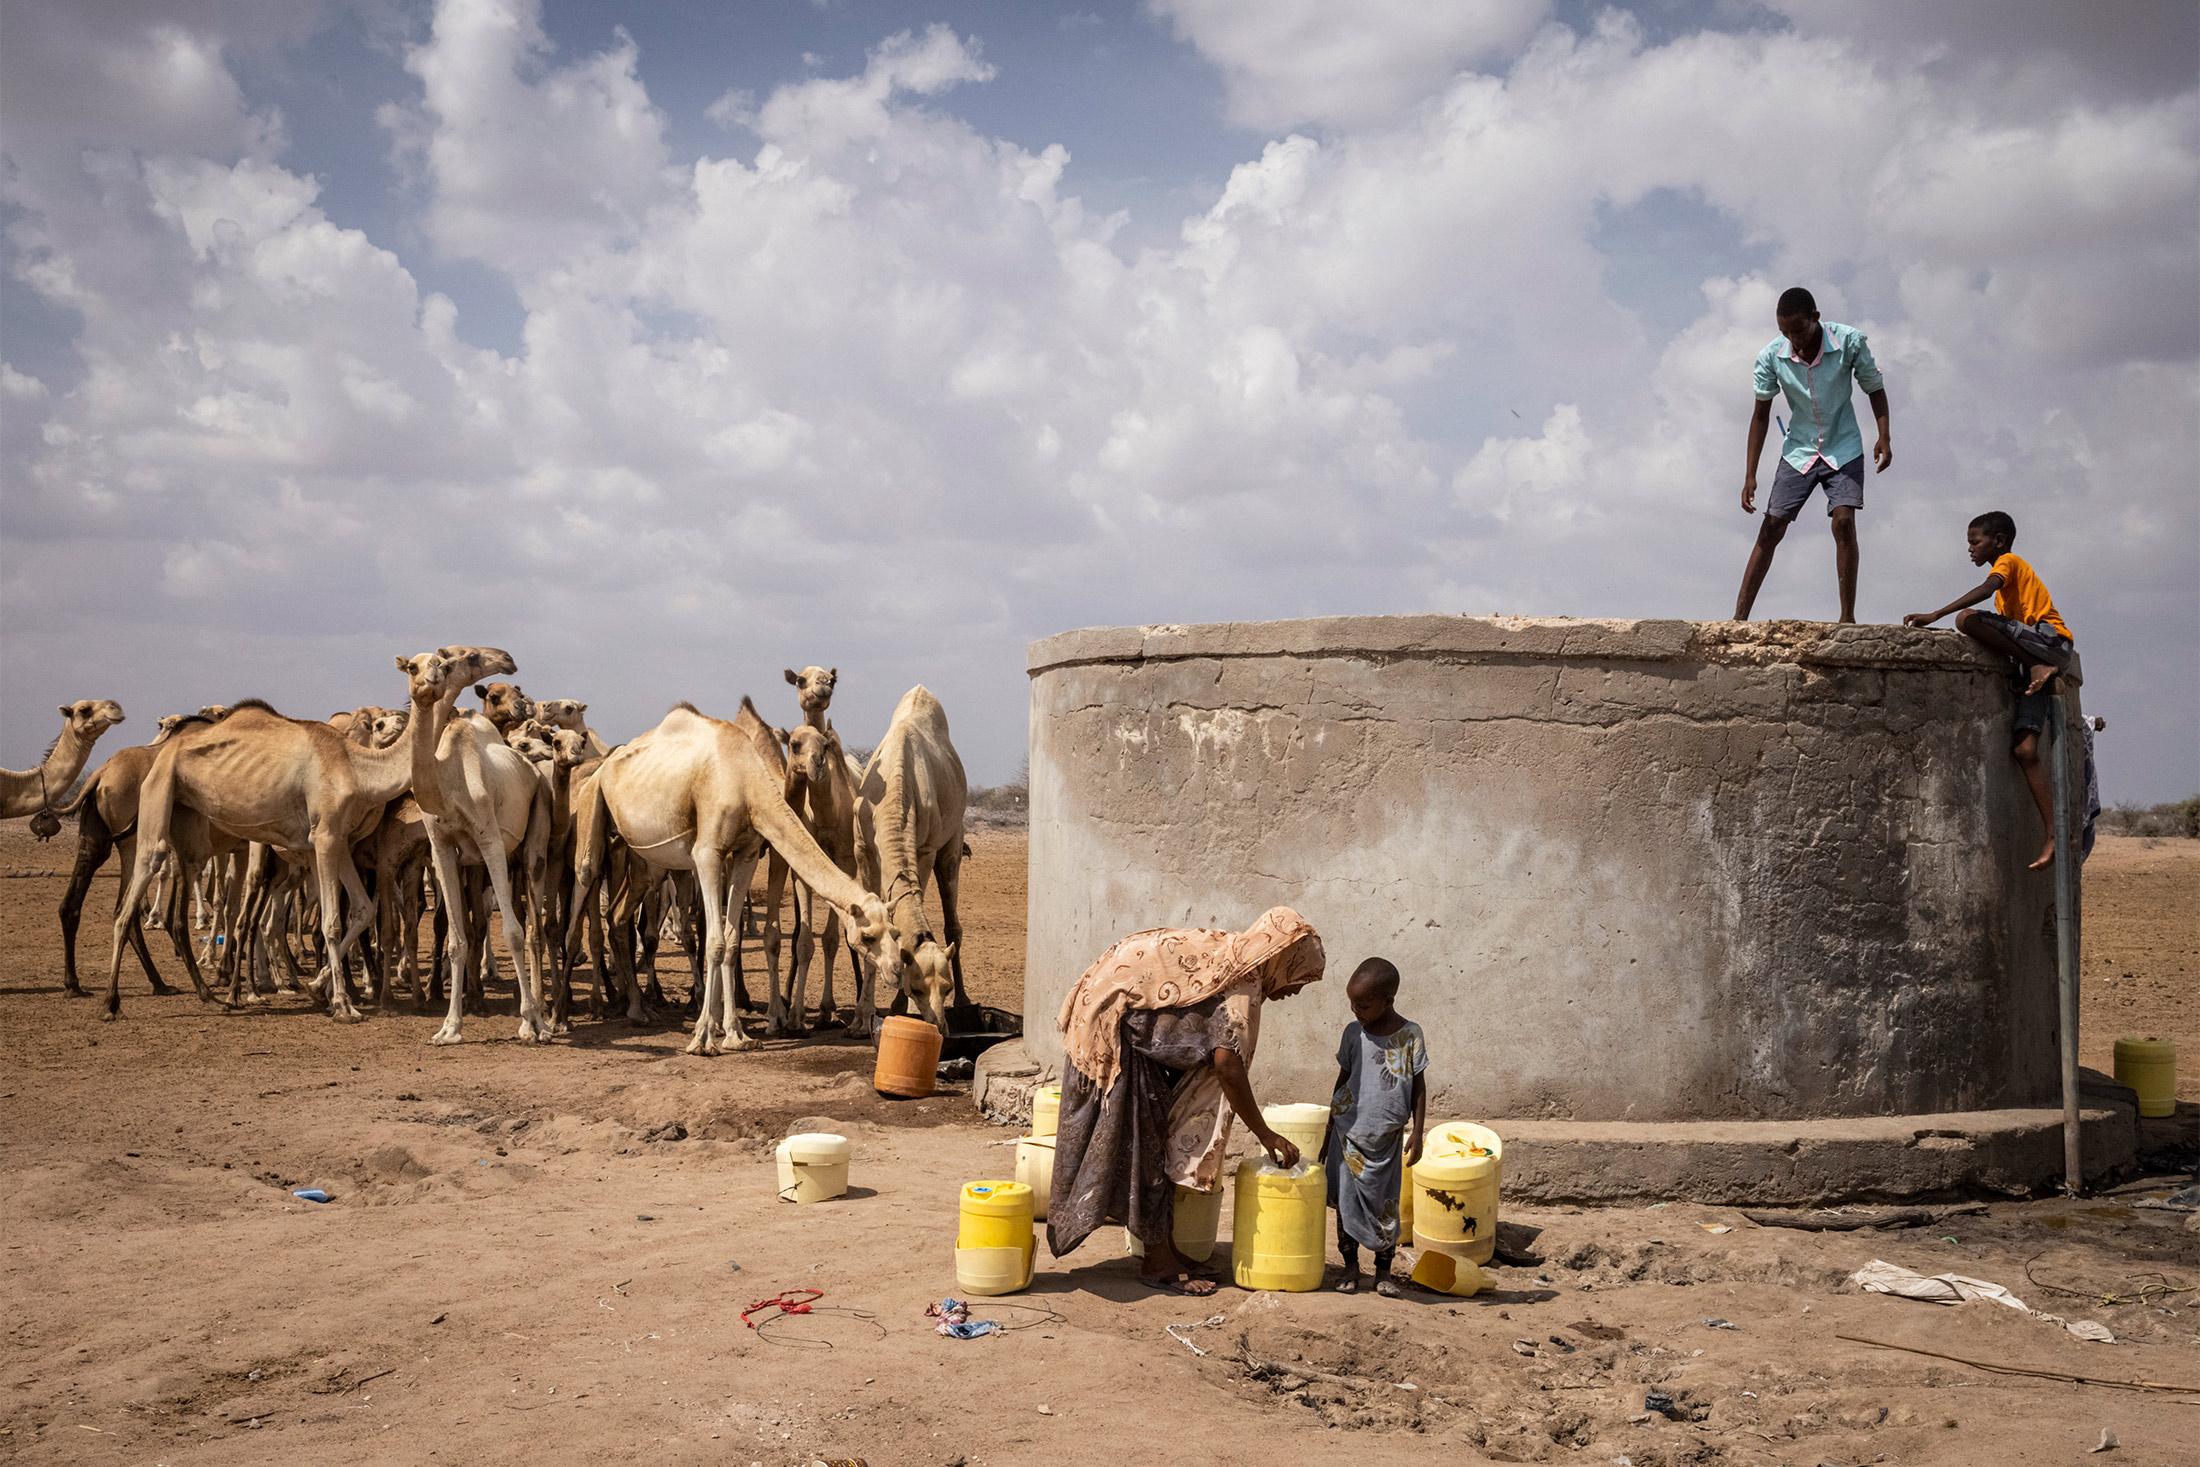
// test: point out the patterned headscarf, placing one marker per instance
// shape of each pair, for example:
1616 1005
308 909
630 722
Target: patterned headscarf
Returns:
1176 967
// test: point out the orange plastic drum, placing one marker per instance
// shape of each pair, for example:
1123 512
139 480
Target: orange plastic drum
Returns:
908 1057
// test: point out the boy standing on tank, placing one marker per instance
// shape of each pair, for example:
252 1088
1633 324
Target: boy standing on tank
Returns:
2024 627
1816 365
1378 1117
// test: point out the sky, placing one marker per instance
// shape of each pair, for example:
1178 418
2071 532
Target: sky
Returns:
670 345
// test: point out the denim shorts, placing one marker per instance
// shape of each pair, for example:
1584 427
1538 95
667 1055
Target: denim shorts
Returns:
1791 486
2041 643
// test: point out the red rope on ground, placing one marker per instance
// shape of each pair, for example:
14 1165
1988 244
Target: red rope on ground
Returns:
791 1301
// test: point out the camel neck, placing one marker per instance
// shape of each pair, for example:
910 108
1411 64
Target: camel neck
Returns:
65 759
383 774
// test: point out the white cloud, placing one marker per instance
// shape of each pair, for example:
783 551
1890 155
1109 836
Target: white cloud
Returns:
1288 62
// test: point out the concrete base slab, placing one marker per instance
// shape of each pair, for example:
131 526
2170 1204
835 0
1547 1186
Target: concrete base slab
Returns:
1805 1163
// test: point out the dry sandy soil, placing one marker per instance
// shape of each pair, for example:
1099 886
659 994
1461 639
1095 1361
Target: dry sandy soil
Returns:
520 1261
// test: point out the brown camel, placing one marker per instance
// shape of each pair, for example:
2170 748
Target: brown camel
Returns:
504 705
37 791
106 812
821 789
300 787
706 794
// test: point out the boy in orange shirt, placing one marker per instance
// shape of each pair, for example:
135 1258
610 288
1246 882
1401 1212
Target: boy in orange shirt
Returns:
2024 627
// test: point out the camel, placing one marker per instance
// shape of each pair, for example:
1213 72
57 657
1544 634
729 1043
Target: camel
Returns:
570 713
106 811
298 786
821 786
705 794
813 689
909 830
477 795
504 705
35 791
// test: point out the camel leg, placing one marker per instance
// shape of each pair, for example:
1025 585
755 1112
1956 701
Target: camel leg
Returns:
533 1027
827 1011
709 876
738 875
775 893
451 905
331 873
947 869
805 947
94 843
156 797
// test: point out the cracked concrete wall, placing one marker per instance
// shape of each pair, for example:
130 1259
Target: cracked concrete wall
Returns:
1629 870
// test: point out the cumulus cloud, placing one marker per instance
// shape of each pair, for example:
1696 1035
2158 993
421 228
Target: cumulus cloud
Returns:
1290 62
864 383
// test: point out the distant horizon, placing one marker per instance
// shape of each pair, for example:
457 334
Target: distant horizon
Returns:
666 347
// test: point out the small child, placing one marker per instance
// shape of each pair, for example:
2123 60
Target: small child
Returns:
2024 627
1377 1119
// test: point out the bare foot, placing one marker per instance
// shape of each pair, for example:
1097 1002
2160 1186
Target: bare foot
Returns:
1182 1283
2044 859
1349 1284
2042 674
1388 1287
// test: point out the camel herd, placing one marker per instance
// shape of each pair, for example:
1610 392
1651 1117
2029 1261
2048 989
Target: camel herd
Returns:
287 836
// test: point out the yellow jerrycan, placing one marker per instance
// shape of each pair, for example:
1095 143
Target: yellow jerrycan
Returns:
1035 1169
2149 1066
1303 1123
1277 1226
1046 1110
1455 1187
993 1247
1192 1224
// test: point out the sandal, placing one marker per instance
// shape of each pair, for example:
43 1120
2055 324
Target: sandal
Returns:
1183 1283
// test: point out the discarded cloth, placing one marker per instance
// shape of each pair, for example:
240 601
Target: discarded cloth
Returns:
955 1321
1882 1277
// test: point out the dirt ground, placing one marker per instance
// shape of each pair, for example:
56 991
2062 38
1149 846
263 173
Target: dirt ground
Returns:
545 1253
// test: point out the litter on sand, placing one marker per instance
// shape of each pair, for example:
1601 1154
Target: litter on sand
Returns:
2107 1443
1720 1324
955 1321
2088 1329
1882 1277
1185 1340
310 1194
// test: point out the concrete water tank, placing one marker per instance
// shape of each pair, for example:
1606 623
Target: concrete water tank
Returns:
1647 871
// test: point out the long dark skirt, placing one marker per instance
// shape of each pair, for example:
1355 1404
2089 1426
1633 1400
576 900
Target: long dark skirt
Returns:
1111 1149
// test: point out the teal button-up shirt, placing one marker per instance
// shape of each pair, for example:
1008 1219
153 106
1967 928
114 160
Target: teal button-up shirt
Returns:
1821 422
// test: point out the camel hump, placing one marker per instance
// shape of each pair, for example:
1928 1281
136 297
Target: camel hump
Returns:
918 706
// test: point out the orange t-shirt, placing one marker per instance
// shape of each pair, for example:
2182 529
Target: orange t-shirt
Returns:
2023 595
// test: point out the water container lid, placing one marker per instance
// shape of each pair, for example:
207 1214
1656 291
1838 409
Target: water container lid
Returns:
1455 1166
1299 1110
815 1146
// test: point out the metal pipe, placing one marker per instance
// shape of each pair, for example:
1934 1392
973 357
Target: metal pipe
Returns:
2066 941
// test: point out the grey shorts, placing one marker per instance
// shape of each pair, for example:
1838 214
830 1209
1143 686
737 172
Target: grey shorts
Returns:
1791 486
2041 643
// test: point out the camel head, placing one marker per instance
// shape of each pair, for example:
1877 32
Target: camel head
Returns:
808 750
565 747
562 713
875 939
387 726
535 751
929 979
504 705
439 676
91 717
813 687
168 724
